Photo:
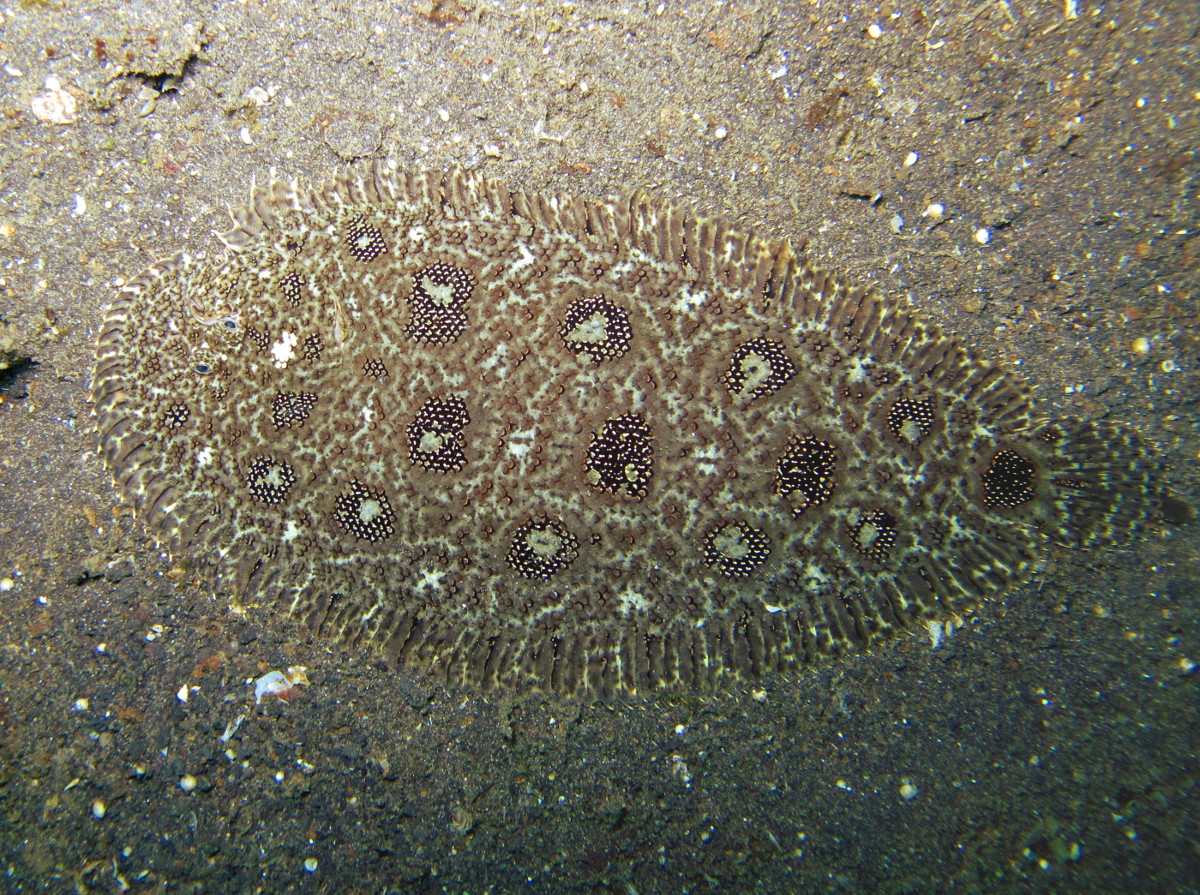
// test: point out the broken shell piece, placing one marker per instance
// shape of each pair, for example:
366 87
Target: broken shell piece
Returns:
276 683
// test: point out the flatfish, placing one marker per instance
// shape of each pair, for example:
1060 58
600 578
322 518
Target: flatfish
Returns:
600 447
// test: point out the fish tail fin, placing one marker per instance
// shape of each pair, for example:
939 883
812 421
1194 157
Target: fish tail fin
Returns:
1105 480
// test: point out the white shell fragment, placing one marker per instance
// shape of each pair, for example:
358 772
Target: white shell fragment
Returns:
276 683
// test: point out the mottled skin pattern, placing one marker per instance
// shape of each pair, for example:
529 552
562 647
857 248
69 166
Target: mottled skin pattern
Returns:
522 440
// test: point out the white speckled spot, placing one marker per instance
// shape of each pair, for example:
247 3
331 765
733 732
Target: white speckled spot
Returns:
284 350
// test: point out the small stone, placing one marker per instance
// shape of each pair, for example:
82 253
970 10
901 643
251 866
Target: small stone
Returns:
187 783
1141 345
983 236
874 30
911 159
310 865
99 809
908 790
461 820
258 96
7 584
54 105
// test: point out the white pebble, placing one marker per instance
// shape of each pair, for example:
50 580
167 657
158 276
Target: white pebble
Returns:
7 584
897 223
258 95
244 135
908 790
81 704
721 132
310 864
983 236
182 695
1141 345
187 783
874 30
54 104
934 210
1186 665
99 809
911 159
443 114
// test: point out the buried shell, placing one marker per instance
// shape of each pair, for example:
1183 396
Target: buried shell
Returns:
517 439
